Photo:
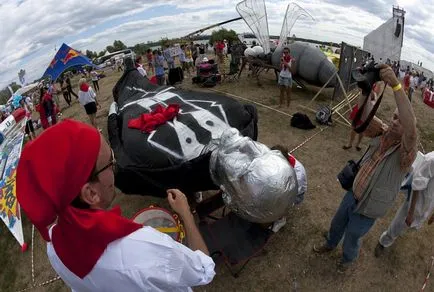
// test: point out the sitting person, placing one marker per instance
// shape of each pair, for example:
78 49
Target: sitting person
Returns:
300 172
90 247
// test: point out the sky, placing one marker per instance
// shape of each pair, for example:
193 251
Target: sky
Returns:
31 30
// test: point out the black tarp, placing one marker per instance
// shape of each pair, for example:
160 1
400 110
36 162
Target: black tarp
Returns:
174 155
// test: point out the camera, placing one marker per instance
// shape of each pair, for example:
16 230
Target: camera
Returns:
366 76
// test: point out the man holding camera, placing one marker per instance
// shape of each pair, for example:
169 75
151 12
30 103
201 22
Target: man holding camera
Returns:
389 158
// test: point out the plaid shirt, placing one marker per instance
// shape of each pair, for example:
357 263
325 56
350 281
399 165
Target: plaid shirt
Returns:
368 168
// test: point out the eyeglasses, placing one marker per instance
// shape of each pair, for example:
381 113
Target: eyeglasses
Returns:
111 164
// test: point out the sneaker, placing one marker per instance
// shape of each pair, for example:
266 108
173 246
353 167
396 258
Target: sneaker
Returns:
379 250
322 249
342 268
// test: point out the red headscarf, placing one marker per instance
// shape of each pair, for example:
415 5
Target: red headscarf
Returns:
47 183
291 160
84 87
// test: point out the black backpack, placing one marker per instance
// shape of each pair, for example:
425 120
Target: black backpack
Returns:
324 115
302 121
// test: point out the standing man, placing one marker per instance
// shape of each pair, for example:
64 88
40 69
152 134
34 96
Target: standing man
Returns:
92 247
95 78
69 87
159 68
377 183
169 59
414 214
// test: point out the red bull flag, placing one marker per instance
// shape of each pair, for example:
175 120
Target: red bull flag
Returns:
66 57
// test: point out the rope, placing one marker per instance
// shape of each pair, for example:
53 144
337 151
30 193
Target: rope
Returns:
276 110
34 285
308 139
33 247
40 285
255 102
428 274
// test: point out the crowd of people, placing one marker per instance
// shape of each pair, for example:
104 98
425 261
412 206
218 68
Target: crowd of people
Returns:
93 248
74 201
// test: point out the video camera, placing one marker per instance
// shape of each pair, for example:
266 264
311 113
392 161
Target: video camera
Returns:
366 76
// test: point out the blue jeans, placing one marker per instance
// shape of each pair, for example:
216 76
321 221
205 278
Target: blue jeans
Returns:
353 225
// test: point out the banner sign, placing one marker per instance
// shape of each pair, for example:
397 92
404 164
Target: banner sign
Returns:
10 152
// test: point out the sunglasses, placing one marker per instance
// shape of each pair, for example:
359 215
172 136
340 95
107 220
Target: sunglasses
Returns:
112 164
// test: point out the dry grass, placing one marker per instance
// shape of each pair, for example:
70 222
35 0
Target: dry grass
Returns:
289 260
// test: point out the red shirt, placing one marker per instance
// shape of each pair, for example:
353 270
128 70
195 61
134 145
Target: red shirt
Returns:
407 81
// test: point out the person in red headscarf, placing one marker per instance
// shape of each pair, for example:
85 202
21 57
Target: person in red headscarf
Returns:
46 108
66 194
87 98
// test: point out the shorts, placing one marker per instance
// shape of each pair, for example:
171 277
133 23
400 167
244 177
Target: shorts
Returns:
90 108
285 81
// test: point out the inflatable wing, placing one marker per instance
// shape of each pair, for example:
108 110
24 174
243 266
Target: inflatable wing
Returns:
175 154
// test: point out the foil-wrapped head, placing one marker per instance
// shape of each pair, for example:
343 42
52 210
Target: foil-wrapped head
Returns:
259 185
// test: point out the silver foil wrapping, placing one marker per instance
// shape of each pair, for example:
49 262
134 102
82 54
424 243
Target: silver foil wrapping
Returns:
259 185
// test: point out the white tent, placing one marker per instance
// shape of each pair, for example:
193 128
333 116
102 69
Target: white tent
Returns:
25 89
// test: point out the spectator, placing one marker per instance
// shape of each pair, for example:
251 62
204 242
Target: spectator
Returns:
377 183
189 58
353 134
46 109
95 78
169 58
300 172
66 93
69 87
159 67
182 59
87 99
139 66
91 247
150 59
285 77
30 131
413 85
414 214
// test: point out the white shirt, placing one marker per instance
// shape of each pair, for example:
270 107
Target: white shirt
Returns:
414 81
85 97
285 73
300 172
423 181
142 70
145 260
94 75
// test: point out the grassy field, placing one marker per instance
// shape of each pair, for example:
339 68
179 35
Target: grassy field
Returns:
289 263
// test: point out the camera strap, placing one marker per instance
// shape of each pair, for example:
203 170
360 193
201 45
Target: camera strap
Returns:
357 118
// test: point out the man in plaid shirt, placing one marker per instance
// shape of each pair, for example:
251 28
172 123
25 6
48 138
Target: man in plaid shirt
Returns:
389 158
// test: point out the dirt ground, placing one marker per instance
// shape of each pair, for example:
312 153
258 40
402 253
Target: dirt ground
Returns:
288 263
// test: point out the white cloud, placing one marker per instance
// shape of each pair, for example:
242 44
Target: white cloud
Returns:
39 25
